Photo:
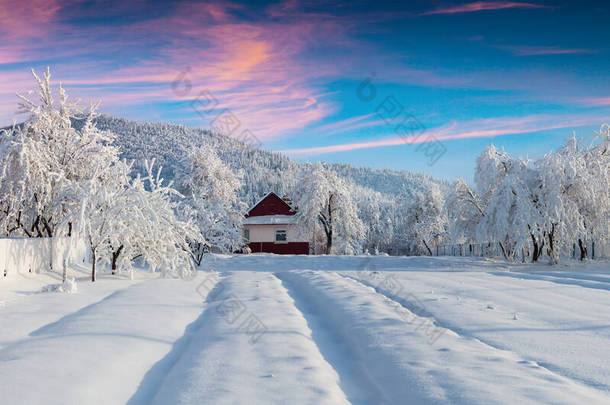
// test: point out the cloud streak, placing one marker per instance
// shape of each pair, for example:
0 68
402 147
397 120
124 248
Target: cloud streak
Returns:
547 50
596 101
482 128
483 6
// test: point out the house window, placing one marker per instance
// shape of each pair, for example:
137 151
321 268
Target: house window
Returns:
247 235
280 236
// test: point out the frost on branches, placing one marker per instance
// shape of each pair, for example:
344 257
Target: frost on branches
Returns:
126 219
534 208
210 189
48 161
376 212
59 180
426 220
322 198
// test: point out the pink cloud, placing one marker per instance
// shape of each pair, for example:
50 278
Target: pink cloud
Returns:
547 50
483 6
10 54
482 128
19 19
256 66
255 69
596 101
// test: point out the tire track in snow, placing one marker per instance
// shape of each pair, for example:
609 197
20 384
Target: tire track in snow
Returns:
420 311
582 281
355 380
156 376
409 370
221 365
377 368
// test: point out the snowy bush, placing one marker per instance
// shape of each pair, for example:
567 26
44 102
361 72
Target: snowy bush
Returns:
69 286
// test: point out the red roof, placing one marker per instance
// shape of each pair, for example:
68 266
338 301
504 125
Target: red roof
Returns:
271 204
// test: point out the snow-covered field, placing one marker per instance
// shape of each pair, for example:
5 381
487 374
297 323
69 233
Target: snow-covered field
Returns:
263 329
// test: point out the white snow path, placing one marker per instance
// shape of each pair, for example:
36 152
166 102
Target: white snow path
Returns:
230 359
99 354
534 334
410 370
355 379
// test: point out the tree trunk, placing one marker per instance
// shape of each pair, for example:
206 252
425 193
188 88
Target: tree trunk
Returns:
583 249
94 259
329 242
536 253
329 227
551 247
115 258
503 250
427 247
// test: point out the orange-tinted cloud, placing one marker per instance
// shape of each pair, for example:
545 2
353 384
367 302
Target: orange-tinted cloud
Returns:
256 69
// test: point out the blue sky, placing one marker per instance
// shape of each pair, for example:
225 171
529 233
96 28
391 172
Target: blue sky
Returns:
521 75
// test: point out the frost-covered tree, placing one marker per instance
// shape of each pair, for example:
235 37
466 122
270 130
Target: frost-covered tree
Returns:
61 175
13 187
426 219
321 197
376 212
465 210
503 191
575 192
107 214
531 208
125 218
50 159
513 212
401 228
210 188
162 240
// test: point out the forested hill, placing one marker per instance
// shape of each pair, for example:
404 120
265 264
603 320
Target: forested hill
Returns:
262 171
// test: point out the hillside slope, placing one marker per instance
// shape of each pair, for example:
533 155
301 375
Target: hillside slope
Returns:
262 171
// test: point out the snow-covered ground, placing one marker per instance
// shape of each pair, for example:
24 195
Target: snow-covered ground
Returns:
263 329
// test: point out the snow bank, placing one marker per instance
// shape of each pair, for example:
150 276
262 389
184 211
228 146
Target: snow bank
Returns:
35 255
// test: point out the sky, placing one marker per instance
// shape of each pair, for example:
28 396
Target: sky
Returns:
416 85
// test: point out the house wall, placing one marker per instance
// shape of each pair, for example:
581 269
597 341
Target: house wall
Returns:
266 233
290 248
